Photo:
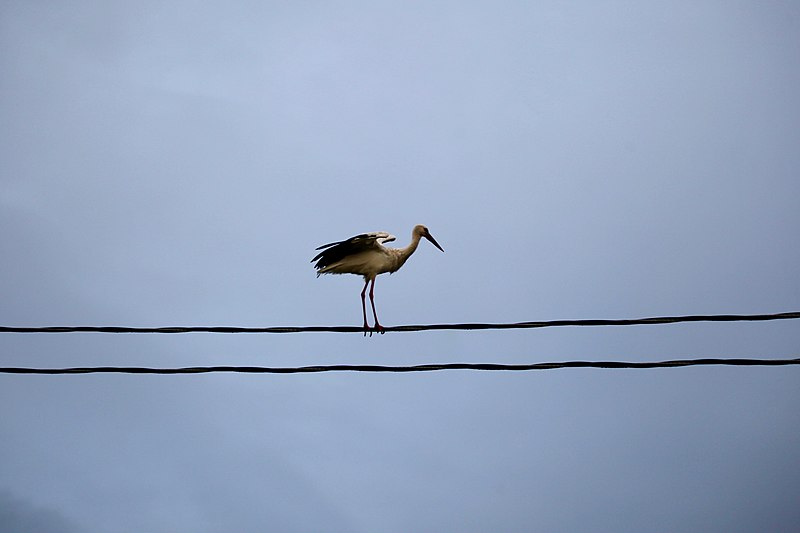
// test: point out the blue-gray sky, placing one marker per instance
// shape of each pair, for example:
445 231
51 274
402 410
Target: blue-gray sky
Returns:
177 163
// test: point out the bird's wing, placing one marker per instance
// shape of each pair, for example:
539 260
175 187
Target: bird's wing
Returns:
336 251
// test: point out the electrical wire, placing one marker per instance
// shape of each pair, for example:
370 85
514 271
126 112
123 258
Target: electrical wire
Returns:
392 329
416 368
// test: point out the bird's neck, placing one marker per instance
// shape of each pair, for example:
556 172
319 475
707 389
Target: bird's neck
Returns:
404 253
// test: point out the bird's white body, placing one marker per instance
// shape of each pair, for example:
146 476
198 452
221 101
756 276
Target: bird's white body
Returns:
374 260
365 255
367 264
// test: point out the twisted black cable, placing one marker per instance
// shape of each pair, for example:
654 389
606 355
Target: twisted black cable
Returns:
416 368
428 327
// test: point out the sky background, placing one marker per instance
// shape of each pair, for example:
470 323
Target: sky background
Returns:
177 163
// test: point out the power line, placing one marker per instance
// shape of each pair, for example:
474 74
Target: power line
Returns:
417 368
428 327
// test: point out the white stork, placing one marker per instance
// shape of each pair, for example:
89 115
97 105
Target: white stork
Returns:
366 256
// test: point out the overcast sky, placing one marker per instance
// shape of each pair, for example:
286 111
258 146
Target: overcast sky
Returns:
176 163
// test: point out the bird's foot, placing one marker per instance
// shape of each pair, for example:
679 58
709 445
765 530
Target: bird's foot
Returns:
378 328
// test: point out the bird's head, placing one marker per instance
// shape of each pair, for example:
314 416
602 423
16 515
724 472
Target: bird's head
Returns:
422 231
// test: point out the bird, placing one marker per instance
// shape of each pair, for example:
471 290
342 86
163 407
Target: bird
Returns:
365 255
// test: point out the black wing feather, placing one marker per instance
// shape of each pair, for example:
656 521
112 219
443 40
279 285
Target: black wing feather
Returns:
336 251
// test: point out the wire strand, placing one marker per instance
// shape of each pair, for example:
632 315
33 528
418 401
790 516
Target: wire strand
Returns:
392 329
416 368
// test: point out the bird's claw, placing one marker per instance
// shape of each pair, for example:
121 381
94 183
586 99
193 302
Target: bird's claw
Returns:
378 328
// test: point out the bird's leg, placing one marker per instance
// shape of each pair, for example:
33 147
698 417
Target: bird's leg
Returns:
378 327
364 309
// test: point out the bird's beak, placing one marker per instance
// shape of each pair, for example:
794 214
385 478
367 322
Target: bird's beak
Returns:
430 238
